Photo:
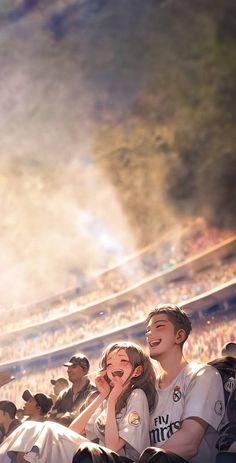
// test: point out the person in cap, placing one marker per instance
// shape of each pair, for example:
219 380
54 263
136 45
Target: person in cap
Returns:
37 405
58 386
8 420
71 399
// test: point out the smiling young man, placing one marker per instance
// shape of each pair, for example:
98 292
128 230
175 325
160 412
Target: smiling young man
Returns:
190 399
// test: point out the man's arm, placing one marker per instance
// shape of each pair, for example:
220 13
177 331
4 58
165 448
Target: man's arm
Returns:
185 442
203 406
5 378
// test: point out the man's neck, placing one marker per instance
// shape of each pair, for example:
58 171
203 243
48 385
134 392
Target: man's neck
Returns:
36 417
171 364
78 385
6 424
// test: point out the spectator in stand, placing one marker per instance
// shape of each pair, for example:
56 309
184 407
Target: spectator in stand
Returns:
8 420
58 386
226 366
229 349
71 399
36 406
20 414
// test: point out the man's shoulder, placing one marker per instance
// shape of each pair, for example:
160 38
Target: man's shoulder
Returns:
203 375
65 393
13 425
198 369
89 387
137 394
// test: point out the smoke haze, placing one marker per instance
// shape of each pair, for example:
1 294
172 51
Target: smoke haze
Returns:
111 119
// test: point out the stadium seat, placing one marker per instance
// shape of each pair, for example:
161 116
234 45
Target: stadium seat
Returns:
155 455
226 457
93 453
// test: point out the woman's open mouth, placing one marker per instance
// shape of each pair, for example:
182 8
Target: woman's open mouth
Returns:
118 373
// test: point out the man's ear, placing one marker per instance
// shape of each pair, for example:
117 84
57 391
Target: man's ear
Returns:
137 371
180 336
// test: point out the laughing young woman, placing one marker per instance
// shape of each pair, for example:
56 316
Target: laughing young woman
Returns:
118 416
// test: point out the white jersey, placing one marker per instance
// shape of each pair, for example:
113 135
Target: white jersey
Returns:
132 423
42 442
49 442
197 391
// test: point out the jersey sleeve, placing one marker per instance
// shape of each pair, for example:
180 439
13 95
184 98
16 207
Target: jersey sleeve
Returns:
205 397
133 427
91 432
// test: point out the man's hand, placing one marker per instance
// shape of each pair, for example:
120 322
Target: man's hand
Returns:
5 377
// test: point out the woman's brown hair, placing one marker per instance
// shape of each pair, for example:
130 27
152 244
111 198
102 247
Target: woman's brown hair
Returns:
145 381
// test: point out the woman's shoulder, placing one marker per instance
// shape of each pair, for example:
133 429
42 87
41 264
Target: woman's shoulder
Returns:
137 394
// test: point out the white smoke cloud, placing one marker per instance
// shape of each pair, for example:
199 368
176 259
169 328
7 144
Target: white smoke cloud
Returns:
60 217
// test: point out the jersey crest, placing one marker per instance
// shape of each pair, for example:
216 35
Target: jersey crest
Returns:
177 394
134 418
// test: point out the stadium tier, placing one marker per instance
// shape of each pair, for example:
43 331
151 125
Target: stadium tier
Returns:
214 323
204 283
159 258
186 282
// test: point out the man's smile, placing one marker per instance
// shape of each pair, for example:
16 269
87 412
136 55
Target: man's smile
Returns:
154 343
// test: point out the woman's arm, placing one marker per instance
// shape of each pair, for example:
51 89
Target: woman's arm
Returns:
112 439
79 423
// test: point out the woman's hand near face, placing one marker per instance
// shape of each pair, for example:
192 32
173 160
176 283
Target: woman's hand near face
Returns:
102 385
117 388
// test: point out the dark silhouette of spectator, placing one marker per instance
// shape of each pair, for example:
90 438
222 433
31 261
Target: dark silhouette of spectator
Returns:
229 349
226 365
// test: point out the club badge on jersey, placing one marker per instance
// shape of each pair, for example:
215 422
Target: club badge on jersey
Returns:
134 418
218 407
177 394
229 384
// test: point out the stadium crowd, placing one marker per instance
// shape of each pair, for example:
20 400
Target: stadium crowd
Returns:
206 341
160 257
211 330
136 305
